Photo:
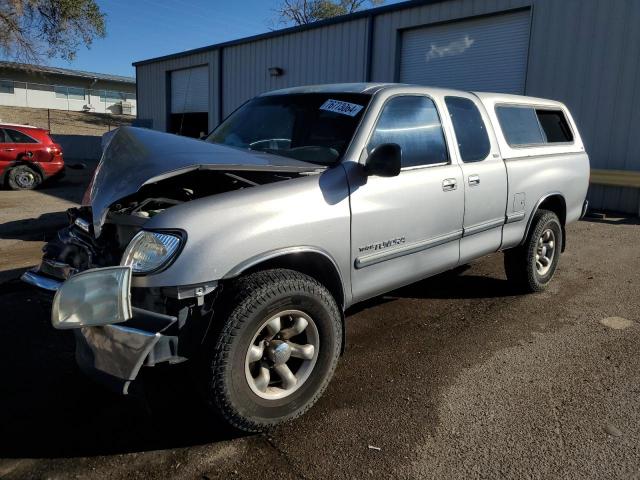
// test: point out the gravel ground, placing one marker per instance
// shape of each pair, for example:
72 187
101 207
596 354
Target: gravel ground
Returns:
453 377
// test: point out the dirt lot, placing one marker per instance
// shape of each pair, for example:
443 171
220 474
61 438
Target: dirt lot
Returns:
453 377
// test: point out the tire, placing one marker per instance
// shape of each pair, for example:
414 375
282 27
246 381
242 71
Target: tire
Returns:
23 177
235 381
524 264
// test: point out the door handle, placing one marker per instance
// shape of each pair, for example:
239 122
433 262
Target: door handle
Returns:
474 180
449 184
9 149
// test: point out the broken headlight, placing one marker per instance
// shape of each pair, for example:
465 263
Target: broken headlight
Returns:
149 251
94 297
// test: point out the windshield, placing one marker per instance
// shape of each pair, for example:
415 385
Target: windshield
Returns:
312 127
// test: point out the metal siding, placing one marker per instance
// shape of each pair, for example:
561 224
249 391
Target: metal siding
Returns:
328 54
388 24
190 90
487 54
586 53
152 86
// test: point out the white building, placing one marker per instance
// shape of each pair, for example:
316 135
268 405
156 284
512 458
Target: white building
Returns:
62 89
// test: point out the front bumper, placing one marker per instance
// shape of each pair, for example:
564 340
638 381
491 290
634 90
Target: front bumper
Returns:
113 354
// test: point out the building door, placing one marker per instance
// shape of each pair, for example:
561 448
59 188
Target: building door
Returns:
487 54
190 102
406 227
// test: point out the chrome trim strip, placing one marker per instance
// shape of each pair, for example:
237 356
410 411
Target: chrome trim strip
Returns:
515 217
32 278
483 227
378 257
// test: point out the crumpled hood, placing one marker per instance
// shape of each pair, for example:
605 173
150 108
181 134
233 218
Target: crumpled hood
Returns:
137 156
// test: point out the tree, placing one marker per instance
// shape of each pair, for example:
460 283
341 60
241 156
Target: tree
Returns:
300 12
34 30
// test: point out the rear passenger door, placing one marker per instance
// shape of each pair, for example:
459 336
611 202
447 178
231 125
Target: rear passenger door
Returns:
484 177
10 150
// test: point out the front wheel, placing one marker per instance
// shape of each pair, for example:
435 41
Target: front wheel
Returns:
276 352
532 265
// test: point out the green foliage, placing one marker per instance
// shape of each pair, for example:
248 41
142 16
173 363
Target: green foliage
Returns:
33 30
300 12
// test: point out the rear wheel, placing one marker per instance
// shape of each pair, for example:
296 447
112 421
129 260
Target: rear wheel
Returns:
532 265
23 177
277 350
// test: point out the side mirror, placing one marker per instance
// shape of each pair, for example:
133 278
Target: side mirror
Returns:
384 161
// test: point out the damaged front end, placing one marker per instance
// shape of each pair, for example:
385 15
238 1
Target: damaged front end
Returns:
114 339
95 266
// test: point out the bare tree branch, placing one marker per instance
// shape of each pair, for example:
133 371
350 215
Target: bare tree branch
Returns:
300 12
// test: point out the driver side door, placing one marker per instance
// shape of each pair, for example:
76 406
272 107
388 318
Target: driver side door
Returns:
407 227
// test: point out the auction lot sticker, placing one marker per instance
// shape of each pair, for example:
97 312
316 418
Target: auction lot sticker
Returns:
345 108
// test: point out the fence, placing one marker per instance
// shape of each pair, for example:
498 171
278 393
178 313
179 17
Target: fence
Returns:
79 133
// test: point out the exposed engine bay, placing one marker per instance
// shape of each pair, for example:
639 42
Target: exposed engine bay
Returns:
76 248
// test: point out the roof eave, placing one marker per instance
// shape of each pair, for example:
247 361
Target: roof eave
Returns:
372 12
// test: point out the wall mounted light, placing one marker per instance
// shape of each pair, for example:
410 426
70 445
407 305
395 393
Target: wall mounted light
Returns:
275 71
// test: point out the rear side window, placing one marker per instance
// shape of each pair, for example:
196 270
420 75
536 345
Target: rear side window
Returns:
471 132
555 126
18 137
413 123
527 126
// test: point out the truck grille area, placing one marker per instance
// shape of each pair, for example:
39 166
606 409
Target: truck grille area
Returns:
74 248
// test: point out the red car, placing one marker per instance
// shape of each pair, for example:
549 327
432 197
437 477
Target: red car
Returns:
28 156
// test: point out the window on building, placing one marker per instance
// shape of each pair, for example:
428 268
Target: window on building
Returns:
413 123
112 96
70 93
15 136
75 93
6 86
471 132
555 126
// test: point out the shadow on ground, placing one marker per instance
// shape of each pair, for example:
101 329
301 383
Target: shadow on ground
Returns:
52 410
57 412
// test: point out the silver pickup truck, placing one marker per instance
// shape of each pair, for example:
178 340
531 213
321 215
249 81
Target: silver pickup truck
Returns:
241 253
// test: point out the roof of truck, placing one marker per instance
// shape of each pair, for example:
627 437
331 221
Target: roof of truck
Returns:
334 88
372 88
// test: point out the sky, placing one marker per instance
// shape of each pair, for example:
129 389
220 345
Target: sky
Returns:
142 29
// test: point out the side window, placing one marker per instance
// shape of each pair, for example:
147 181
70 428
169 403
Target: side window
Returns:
524 126
18 137
520 125
471 132
555 126
413 123
3 137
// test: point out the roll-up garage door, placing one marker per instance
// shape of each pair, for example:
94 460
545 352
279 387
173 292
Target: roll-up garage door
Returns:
190 90
484 54
190 101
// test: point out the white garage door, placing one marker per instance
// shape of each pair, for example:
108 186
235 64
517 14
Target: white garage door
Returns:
486 54
190 90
